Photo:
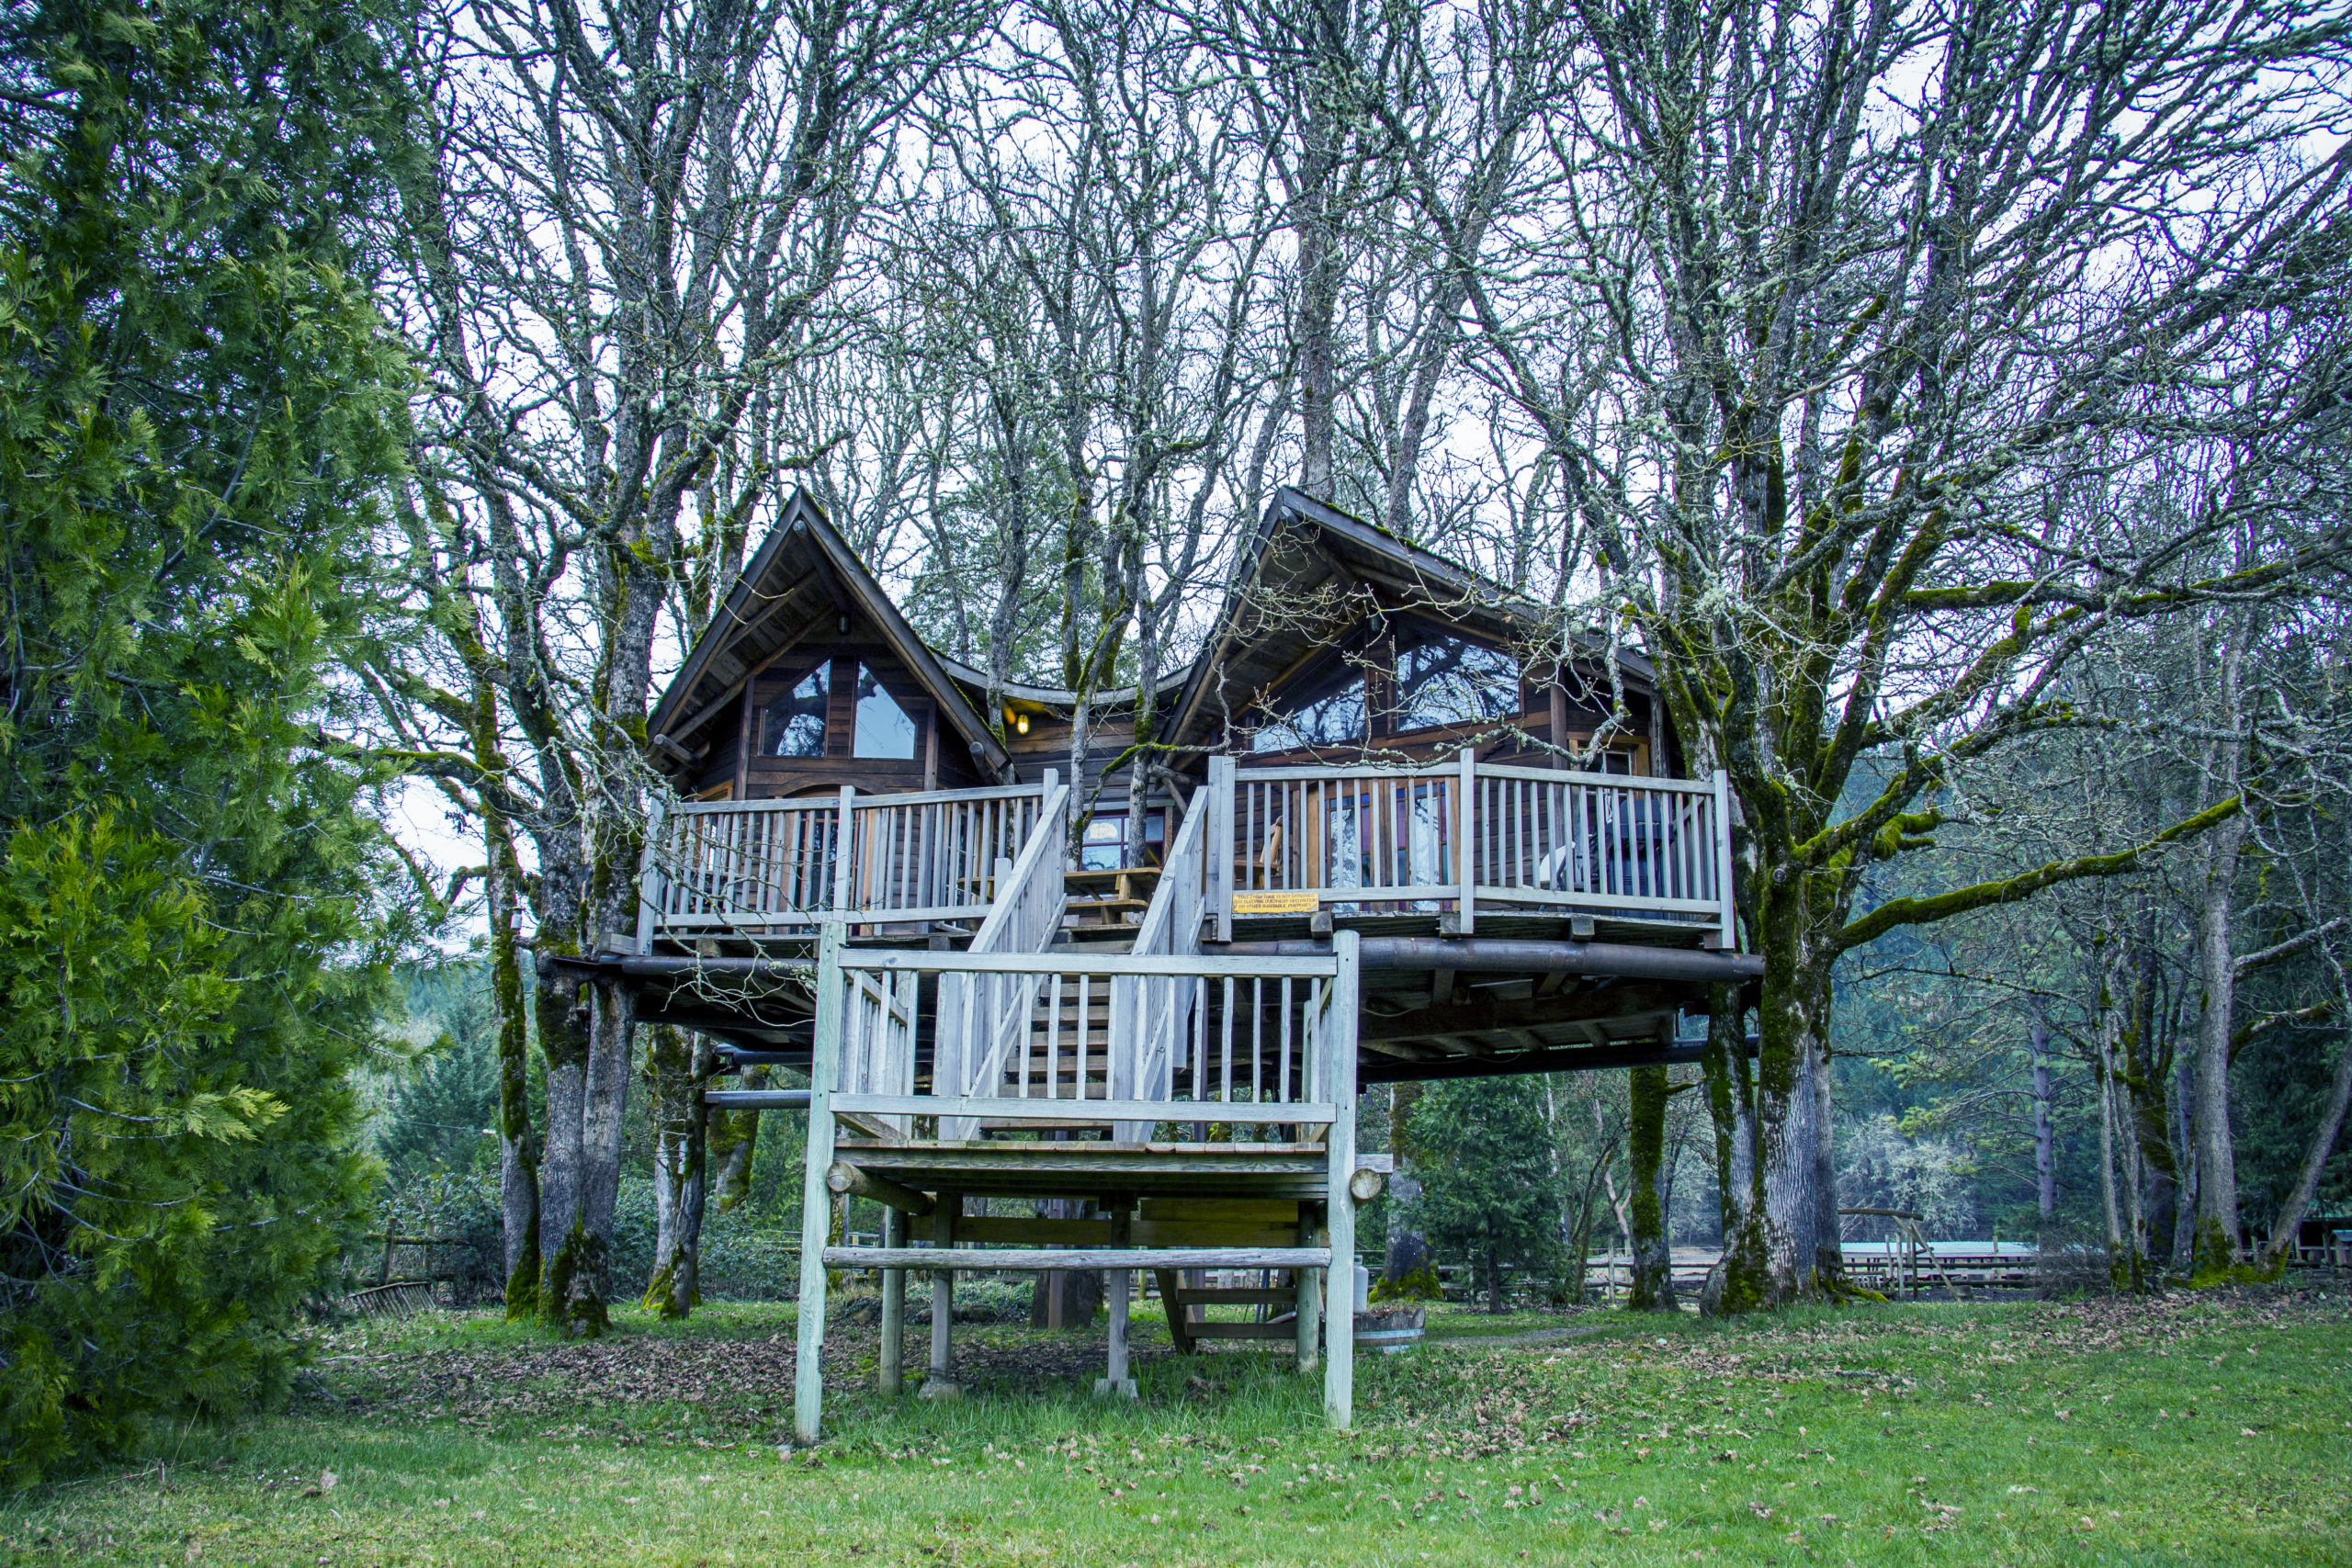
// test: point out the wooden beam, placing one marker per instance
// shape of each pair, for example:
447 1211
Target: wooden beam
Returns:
1560 1059
847 1178
1087 1258
1484 1017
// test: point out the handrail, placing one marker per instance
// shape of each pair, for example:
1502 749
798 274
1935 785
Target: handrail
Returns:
779 864
982 1014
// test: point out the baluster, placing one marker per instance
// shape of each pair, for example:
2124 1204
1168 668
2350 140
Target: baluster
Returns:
1282 1078
1225 1080
1257 1034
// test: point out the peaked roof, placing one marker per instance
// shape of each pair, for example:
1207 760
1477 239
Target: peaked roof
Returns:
805 573
1301 545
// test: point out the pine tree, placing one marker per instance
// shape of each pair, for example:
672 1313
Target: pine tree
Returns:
1488 1191
198 411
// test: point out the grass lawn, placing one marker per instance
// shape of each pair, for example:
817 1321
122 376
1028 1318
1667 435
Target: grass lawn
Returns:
2192 1429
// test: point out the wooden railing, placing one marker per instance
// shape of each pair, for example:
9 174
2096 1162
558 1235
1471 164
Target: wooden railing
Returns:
984 1014
1271 1055
713 866
1462 836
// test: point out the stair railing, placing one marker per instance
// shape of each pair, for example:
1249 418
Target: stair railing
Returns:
983 1014
1153 1013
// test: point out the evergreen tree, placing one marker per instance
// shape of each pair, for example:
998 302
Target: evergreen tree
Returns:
199 410
1489 1191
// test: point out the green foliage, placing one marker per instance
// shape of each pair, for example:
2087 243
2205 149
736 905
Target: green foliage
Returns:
1419 1285
1489 1191
198 409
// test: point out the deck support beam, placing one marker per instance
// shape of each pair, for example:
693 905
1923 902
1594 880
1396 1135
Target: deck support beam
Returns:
1339 1202
1115 1380
892 1379
816 1197
941 1384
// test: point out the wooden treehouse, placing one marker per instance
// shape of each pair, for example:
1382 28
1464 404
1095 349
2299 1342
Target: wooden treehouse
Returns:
1366 857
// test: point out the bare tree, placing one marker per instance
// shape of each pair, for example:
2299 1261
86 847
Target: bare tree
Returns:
624 240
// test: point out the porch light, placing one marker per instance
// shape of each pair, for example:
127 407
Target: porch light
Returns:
1021 724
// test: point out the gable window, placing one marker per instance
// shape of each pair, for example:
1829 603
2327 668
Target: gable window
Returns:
794 724
1448 679
1334 717
885 731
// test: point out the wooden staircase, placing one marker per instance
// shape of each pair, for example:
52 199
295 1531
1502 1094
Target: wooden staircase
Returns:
1067 1051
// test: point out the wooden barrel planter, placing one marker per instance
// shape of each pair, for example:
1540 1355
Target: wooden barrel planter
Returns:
1389 1332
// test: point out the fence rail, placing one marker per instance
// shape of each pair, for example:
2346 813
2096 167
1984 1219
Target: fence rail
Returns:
723 866
1460 837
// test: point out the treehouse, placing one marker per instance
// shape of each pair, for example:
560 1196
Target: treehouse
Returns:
1396 824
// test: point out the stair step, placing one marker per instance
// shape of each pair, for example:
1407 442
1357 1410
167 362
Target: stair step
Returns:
1237 1296
1278 1330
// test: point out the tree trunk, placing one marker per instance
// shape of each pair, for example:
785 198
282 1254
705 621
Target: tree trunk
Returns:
731 1140
562 1008
1730 1087
1653 1284
2217 1245
2045 1157
1494 1283
674 1064
518 1169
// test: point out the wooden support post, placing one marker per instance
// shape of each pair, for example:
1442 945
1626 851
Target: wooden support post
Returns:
1220 845
1122 1281
844 876
648 880
1727 914
816 1197
1340 1203
941 1384
1465 853
1171 1286
1310 1290
892 1379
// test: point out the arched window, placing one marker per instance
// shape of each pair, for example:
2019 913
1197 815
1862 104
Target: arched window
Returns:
885 731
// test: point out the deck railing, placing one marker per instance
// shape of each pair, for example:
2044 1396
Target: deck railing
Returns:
722 866
1269 1055
1463 837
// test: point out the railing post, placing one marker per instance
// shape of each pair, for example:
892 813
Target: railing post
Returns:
843 847
1339 1203
648 877
1729 915
1465 840
1219 849
816 1197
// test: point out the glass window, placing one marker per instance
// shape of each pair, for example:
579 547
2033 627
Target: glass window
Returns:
1105 847
884 730
1334 720
794 724
1445 680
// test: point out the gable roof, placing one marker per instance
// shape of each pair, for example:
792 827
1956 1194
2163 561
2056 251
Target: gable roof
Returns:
804 574
1302 547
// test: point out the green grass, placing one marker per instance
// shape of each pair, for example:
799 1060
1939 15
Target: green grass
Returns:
2190 1429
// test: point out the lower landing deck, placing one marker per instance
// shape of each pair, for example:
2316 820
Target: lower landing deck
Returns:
1283 1211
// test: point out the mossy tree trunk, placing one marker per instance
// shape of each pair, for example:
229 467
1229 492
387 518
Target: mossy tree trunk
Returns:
676 1064
1653 1270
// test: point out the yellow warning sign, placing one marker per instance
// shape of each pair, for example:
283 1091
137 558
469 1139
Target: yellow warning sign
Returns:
1277 901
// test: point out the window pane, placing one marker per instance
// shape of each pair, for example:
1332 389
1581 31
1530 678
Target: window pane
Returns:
884 730
1445 680
1106 841
1333 720
794 722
